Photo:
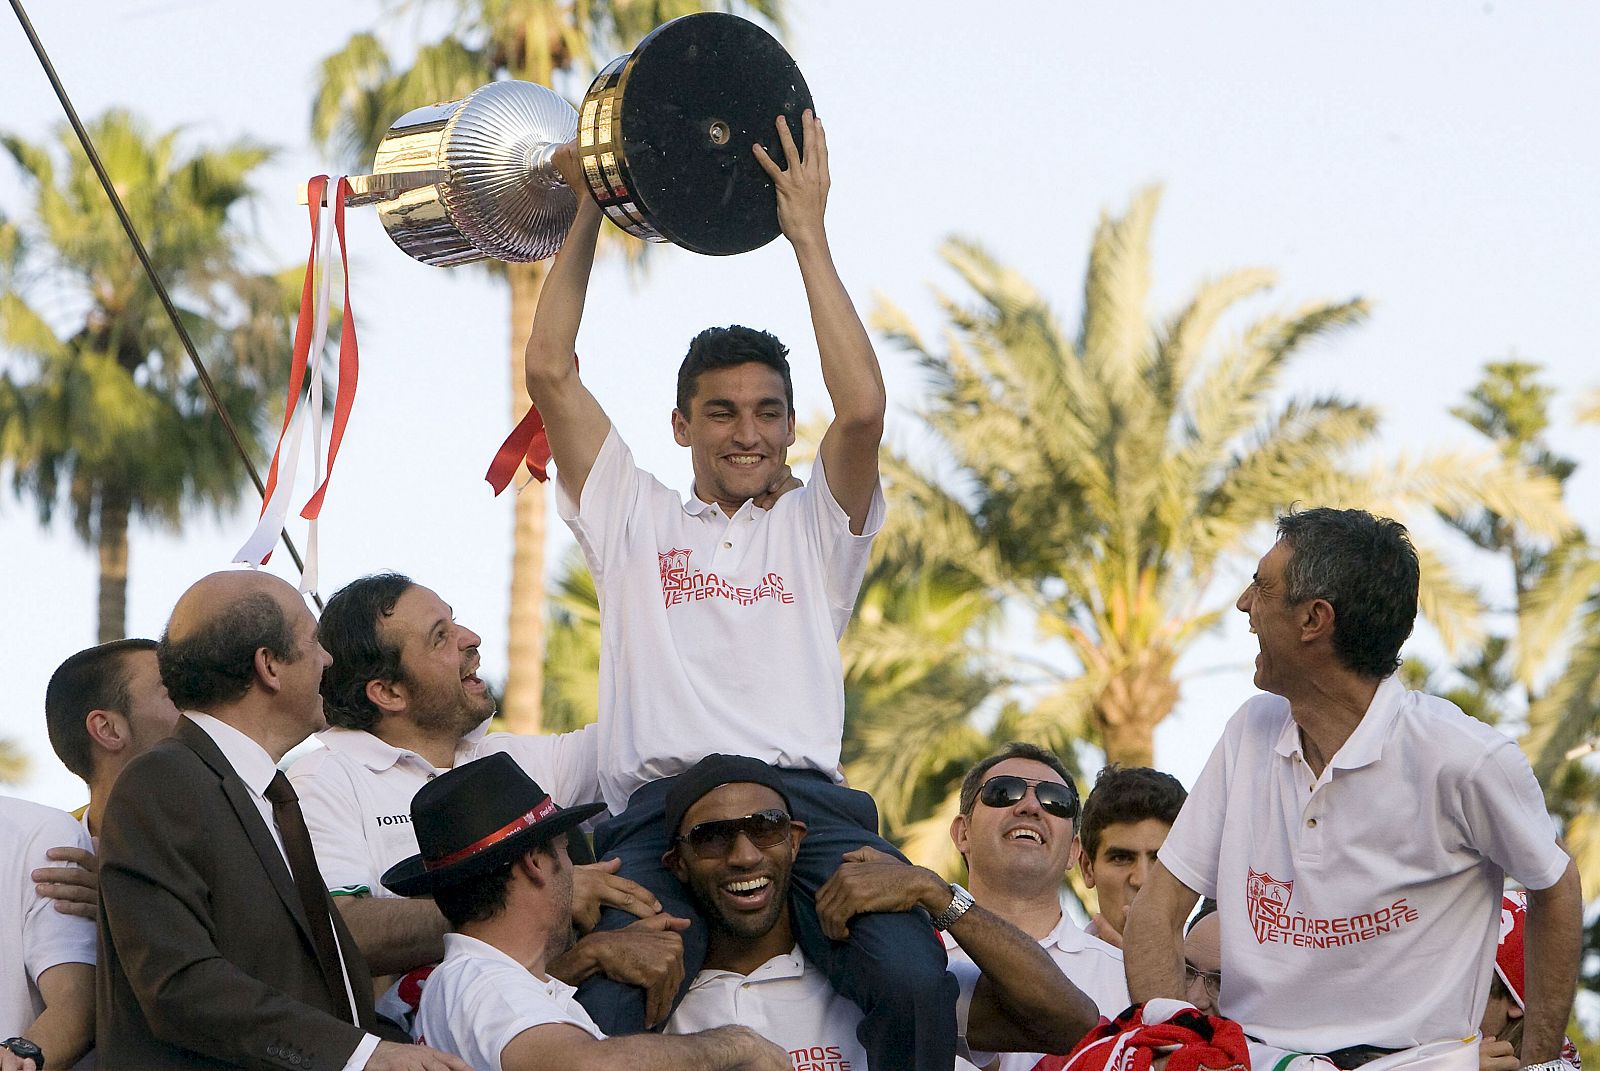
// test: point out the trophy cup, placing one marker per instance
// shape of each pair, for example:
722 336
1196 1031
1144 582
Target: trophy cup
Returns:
664 134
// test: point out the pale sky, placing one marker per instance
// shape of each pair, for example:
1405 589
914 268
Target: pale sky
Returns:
1429 156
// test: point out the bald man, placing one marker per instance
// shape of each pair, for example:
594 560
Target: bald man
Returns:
218 943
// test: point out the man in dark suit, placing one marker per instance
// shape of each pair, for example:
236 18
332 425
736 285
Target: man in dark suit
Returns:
218 944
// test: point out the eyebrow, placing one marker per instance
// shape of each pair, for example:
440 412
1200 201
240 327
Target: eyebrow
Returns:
729 403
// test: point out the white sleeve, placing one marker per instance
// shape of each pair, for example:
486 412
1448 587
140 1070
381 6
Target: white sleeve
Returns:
50 938
610 492
566 765
1504 814
967 975
492 1008
844 554
1194 845
338 829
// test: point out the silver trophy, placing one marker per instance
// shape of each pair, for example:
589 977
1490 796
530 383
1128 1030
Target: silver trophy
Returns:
664 134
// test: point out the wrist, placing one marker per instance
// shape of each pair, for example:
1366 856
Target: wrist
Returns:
24 1049
934 894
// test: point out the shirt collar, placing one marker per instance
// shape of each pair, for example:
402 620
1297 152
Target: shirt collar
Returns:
248 758
695 506
1365 744
1067 936
460 945
790 964
376 755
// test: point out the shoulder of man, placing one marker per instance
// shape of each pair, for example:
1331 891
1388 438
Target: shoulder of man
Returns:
1454 736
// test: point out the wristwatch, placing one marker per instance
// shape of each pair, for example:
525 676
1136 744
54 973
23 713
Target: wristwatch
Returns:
27 1050
1558 1064
960 902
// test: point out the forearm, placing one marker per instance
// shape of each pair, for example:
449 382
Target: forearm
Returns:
65 1029
849 365
394 935
1152 949
1553 949
726 1048
578 963
548 357
1024 1002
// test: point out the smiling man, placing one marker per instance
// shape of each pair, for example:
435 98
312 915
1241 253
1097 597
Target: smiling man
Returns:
1351 830
406 703
734 846
1016 833
721 613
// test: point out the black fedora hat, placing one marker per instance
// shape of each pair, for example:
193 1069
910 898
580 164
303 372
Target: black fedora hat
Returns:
471 819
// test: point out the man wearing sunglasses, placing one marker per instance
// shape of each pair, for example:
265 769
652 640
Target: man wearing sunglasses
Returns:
734 845
1016 832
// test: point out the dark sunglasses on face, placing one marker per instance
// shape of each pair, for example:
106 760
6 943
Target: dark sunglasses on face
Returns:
1007 790
714 840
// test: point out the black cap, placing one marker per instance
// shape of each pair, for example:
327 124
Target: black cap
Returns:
471 819
714 771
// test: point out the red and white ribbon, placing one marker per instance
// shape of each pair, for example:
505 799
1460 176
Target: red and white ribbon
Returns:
305 378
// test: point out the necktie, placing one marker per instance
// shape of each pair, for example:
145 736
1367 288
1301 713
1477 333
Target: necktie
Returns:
308 881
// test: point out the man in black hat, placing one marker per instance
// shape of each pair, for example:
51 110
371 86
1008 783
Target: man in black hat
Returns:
494 858
734 844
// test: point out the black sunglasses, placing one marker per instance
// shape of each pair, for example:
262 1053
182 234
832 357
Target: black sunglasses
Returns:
714 840
1007 790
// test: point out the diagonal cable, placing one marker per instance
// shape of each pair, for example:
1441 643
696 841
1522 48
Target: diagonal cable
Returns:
149 269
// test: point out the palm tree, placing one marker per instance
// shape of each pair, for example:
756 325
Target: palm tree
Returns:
13 763
98 407
1100 481
361 91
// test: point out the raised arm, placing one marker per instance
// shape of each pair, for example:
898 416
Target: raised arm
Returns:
1152 939
850 370
573 420
1553 948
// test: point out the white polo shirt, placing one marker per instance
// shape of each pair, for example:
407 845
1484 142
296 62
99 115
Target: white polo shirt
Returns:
33 934
1361 907
717 634
478 999
1088 962
355 792
791 1003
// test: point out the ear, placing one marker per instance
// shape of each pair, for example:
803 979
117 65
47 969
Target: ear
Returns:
107 729
680 428
388 696
790 440
959 833
797 833
1077 850
671 860
1086 865
535 867
1316 620
266 667
1513 1010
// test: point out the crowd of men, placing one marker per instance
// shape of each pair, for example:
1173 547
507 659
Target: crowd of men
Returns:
689 882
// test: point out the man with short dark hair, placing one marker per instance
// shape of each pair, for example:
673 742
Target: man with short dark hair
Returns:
104 707
1015 830
734 845
1356 835
493 856
406 703
1125 820
219 945
721 614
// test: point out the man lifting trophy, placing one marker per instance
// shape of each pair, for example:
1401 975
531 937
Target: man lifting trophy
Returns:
721 613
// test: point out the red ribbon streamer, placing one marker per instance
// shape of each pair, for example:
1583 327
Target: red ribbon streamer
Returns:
545 808
316 189
528 443
349 359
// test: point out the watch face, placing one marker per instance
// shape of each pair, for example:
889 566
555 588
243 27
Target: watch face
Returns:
27 1050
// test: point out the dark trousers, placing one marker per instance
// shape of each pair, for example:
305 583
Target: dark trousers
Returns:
892 967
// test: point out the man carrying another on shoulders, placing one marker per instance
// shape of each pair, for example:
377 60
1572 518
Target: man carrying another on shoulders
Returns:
721 618
1356 835
494 858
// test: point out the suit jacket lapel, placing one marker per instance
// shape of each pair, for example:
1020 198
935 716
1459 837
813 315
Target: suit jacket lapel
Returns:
255 829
